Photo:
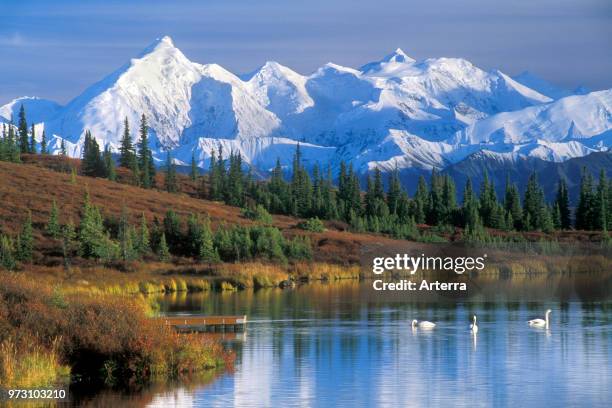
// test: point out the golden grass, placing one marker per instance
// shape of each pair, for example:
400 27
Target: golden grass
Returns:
252 274
31 365
94 331
324 271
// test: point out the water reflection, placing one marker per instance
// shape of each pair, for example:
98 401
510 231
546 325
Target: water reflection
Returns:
344 344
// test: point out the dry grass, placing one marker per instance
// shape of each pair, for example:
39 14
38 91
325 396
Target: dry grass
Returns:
325 272
252 275
31 365
43 329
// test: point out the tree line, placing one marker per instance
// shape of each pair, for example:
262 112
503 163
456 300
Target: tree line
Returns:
314 195
391 210
114 238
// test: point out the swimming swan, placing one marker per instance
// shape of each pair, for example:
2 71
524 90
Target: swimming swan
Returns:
540 322
423 325
474 326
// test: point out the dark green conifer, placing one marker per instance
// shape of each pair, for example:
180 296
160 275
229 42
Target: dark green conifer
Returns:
54 229
170 179
44 149
22 128
145 156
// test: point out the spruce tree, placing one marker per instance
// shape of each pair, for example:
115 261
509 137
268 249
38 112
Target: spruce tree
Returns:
170 179
69 237
436 211
145 157
563 206
471 216
126 150
369 197
600 203
317 192
421 199
194 233
235 181
25 240
12 150
609 206
546 219
556 216
94 241
212 177
54 228
127 250
488 201
301 187
395 191
353 194
63 148
92 164
143 243
512 204
220 175
193 173
4 145
22 128
586 202
172 231
43 144
449 200
534 207
32 147
7 253
278 188
109 164
163 252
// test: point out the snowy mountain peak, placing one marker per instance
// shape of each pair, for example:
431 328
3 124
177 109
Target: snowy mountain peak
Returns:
389 63
397 56
166 39
271 69
163 44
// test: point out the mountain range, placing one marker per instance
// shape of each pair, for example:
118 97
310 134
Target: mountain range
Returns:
394 113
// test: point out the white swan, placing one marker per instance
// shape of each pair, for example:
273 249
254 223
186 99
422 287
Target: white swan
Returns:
474 326
541 322
423 324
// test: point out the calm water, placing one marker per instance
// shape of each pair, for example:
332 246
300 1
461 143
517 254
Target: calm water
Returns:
346 345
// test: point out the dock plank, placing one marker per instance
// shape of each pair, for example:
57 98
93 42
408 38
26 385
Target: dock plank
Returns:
205 323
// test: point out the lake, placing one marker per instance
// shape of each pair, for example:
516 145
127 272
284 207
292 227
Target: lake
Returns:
344 344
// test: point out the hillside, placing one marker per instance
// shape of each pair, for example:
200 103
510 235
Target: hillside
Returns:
34 186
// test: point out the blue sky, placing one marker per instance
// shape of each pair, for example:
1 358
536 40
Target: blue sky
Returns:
55 49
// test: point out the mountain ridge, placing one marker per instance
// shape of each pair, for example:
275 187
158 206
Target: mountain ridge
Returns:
393 113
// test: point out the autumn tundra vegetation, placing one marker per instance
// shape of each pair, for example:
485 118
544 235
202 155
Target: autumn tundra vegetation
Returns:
83 241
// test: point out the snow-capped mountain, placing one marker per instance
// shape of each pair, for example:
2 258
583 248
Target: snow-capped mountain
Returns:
38 110
578 117
393 113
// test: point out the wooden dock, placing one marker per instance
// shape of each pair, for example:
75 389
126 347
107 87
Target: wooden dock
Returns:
206 323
